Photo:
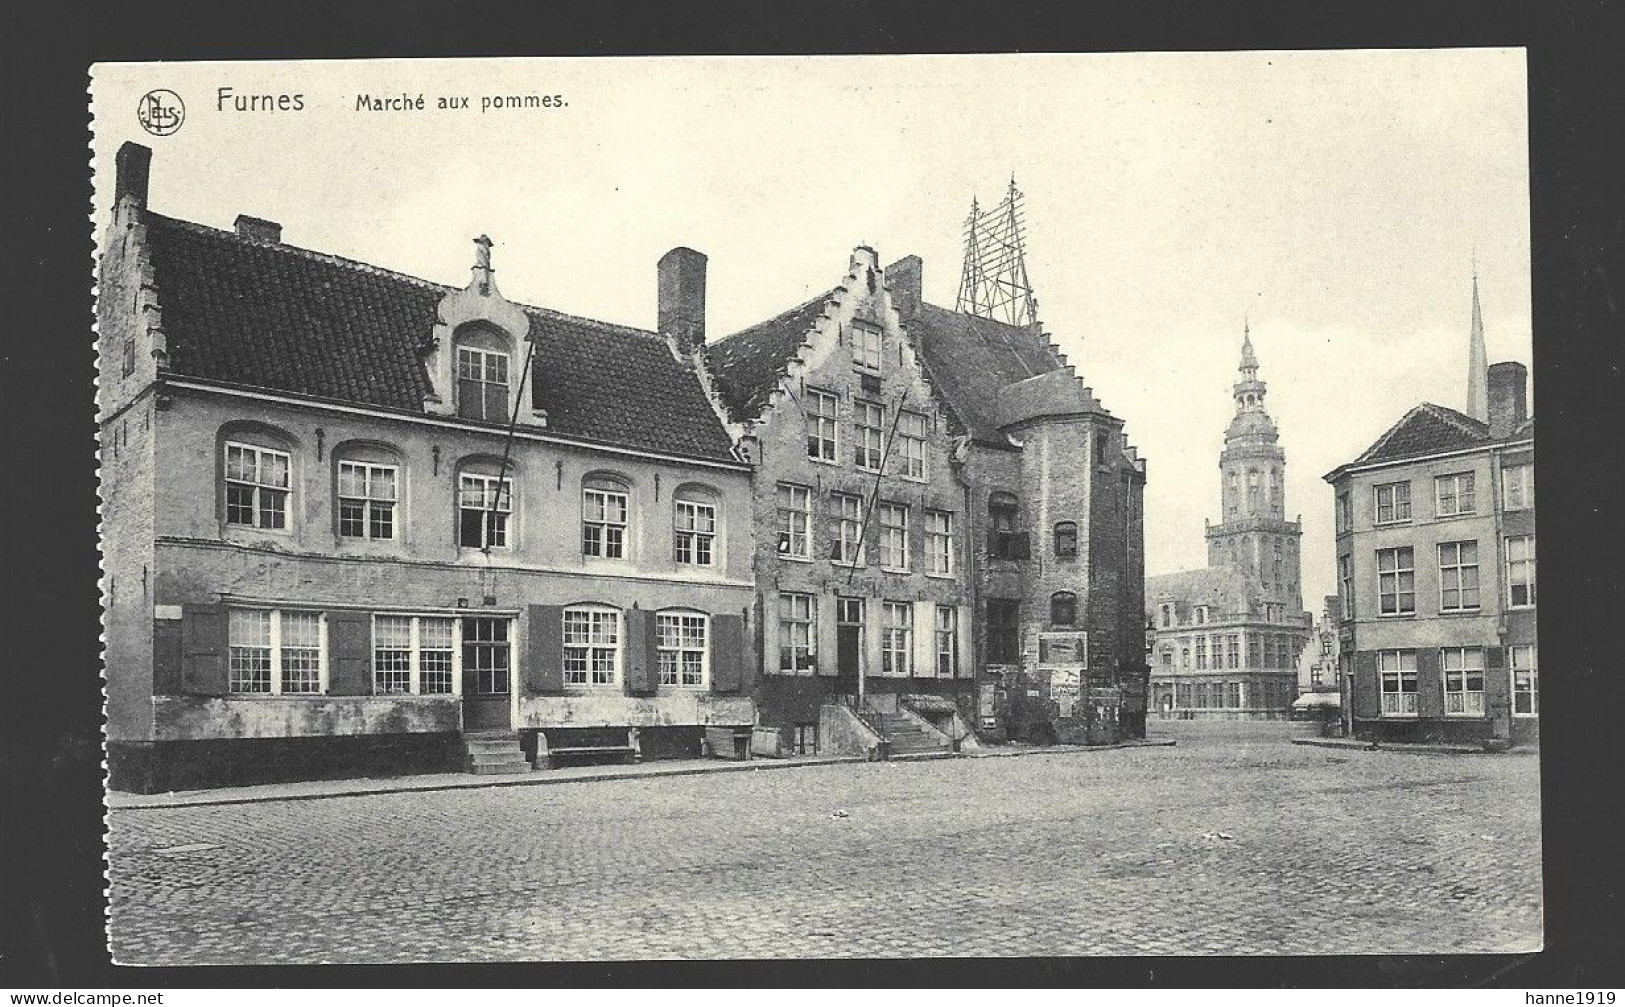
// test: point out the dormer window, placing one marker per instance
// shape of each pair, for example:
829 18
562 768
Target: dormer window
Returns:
868 347
482 383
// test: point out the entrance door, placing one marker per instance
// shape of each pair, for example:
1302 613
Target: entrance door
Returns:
848 644
486 676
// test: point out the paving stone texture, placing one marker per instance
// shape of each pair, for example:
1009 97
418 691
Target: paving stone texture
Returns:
1234 842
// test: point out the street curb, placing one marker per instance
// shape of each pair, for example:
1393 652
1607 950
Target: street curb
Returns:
539 778
1413 748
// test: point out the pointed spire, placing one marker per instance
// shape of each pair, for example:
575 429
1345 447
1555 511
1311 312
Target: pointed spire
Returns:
1249 361
1478 368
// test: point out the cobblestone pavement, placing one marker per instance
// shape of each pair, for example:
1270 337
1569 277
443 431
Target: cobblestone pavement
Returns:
1234 842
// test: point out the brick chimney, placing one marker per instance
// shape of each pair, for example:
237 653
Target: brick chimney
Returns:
255 229
133 165
681 297
1509 397
903 277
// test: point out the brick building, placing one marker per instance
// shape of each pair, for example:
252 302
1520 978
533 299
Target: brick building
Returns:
1436 567
1226 639
355 521
949 525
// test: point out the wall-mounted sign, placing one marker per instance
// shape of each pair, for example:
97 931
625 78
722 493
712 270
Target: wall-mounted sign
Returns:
1063 650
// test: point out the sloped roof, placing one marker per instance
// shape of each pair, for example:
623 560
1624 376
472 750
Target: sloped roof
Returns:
1430 429
747 364
272 316
967 358
1227 590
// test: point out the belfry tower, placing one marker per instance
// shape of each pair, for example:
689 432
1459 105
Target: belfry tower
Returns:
1253 534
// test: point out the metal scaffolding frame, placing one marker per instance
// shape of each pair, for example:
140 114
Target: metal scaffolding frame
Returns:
994 283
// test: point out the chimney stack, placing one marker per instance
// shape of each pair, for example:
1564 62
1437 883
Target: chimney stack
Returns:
133 169
255 229
903 277
680 295
1509 397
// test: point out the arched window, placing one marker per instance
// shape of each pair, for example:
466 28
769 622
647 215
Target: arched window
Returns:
1167 615
1252 491
682 647
592 645
1066 540
484 504
605 514
694 519
257 471
367 483
1063 608
483 365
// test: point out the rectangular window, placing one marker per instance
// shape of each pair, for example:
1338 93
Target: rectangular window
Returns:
1232 695
1396 682
258 481
482 384
911 444
868 347
1463 681
795 521
485 656
1525 680
680 645
1517 487
1254 658
696 532
483 511
868 448
897 639
603 523
1345 513
1182 695
821 426
939 542
291 643
1521 571
947 641
411 655
1003 631
129 359
1345 587
367 500
1232 651
1393 503
1201 653
1454 494
796 619
1396 581
592 646
846 528
893 537
1458 576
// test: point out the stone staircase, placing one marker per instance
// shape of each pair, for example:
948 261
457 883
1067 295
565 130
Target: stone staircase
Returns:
906 735
495 752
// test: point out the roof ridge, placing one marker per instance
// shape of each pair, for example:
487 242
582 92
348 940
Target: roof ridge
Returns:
375 270
1477 428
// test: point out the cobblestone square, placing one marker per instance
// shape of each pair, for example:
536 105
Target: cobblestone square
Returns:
1234 842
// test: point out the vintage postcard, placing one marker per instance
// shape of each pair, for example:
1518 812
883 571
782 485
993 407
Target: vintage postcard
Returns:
861 507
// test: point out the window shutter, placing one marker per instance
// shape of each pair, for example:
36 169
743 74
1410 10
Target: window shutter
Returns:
204 646
1021 545
543 672
349 646
925 639
168 658
1365 700
641 658
1429 683
728 657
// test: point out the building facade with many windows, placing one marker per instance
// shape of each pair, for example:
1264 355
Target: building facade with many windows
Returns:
351 517
1436 567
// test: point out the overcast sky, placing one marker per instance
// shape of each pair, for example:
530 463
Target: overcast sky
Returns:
1335 198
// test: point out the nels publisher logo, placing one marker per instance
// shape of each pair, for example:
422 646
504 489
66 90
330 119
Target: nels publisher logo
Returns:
161 112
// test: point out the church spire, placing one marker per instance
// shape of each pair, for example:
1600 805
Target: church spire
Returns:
1249 391
1478 368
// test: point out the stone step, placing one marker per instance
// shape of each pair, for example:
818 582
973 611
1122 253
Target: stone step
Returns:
499 768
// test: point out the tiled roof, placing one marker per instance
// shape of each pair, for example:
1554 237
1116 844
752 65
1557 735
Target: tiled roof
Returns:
967 358
272 316
1227 590
1429 429
748 363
